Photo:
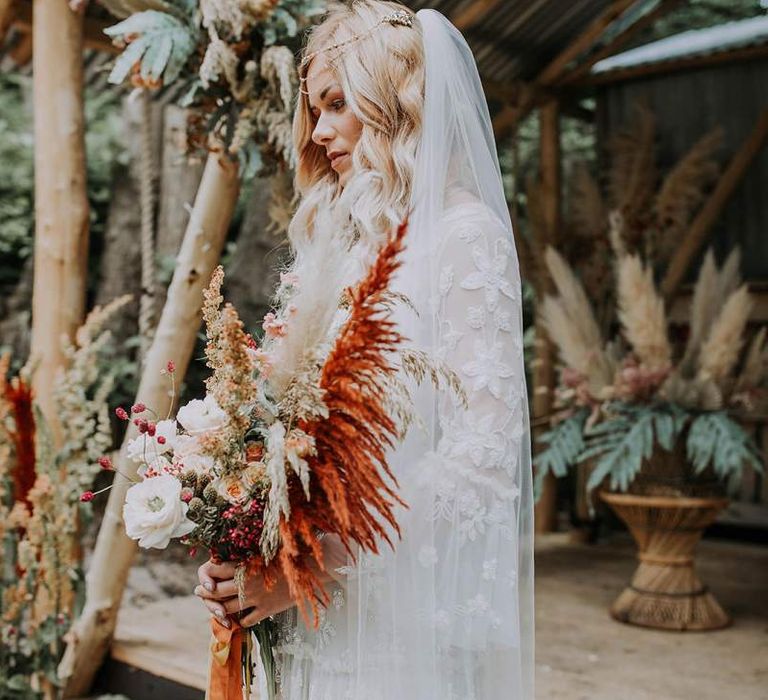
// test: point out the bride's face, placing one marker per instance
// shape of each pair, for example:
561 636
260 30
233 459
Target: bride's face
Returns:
337 129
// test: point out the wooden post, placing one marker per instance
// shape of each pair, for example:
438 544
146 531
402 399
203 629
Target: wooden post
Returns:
544 362
174 340
61 204
707 216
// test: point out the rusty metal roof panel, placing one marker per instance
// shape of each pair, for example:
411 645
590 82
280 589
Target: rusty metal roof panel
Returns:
697 42
515 39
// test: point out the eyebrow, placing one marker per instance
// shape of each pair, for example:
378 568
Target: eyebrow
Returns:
323 93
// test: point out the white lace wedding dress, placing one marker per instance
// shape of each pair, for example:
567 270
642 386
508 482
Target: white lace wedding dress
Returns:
447 615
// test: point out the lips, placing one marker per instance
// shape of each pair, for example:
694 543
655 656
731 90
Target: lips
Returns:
336 157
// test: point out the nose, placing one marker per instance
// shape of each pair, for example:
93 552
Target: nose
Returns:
323 132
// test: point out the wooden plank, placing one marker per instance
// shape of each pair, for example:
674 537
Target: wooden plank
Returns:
619 41
701 226
473 13
168 638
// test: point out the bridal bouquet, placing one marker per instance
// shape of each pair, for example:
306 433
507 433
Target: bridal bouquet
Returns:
289 441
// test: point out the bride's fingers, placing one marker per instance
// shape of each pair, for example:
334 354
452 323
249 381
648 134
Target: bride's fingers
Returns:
233 605
209 572
218 610
224 589
253 617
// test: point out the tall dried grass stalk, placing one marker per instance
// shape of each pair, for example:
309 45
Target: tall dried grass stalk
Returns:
587 214
723 344
571 323
641 313
682 190
632 176
755 363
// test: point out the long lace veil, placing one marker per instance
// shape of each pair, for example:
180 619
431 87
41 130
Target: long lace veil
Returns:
448 613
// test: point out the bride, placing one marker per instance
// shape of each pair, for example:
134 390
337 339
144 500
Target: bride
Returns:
392 122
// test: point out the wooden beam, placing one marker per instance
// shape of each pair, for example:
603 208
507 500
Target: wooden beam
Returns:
705 219
508 119
583 42
619 41
545 519
93 29
621 75
472 14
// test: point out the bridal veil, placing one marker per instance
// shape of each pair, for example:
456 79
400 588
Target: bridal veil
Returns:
449 613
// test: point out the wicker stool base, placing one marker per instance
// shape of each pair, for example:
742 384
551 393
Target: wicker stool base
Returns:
666 592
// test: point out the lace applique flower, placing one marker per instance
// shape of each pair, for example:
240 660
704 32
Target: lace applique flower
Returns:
491 275
487 369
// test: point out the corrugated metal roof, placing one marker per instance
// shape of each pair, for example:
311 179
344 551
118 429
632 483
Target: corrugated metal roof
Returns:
697 42
516 39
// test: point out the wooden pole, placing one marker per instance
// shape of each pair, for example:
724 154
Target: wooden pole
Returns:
61 204
544 362
701 226
174 340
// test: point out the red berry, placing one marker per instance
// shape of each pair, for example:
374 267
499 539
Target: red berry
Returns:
160 440
121 413
138 408
142 425
151 429
171 367
105 463
86 496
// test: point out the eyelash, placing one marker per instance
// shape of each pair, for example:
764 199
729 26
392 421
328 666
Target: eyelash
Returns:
336 105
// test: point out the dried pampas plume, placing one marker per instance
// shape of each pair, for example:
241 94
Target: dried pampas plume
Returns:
641 312
721 349
571 323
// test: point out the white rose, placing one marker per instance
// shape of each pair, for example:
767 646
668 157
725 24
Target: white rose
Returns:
154 512
159 464
187 455
166 429
201 416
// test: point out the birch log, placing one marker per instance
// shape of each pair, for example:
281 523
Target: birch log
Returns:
61 203
174 340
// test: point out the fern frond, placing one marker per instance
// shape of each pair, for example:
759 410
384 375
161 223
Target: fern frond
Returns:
565 442
716 440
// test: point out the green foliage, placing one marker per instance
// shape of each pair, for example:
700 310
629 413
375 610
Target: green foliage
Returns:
162 45
565 442
103 150
716 440
628 434
627 437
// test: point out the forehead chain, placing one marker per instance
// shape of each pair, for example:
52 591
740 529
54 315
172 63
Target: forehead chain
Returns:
399 17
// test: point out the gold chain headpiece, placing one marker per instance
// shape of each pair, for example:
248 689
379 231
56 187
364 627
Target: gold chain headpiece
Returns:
399 17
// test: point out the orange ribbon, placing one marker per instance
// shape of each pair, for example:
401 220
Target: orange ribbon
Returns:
225 680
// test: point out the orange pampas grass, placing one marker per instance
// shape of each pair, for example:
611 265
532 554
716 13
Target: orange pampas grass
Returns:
351 496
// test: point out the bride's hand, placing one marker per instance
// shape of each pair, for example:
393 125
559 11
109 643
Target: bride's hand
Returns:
218 592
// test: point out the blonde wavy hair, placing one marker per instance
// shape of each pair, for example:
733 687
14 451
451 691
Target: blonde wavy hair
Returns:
382 76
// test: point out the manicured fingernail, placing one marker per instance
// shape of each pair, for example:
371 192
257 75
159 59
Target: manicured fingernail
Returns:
220 613
226 623
208 586
196 591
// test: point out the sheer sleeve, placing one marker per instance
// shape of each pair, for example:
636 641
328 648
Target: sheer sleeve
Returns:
476 468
